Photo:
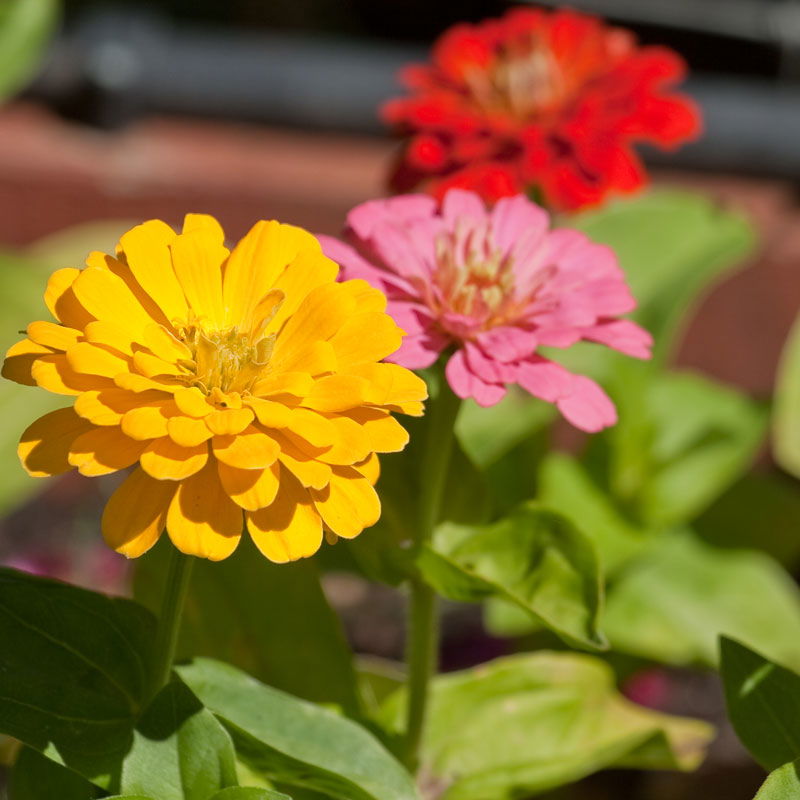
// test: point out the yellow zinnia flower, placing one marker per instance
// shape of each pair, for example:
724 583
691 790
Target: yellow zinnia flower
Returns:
243 382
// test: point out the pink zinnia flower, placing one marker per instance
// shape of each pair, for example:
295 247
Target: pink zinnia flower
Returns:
493 287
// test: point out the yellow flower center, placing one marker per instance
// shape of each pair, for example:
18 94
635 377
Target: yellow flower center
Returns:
229 360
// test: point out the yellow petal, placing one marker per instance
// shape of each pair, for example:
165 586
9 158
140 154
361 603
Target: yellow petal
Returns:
49 334
60 299
311 426
391 384
323 311
384 432
56 375
188 431
101 451
202 520
20 359
92 359
196 222
255 264
308 270
303 465
229 421
148 422
147 251
348 504
164 345
370 468
151 366
268 412
289 528
367 297
297 384
315 359
197 258
250 488
108 334
252 449
107 406
139 383
366 337
106 297
352 443
165 460
337 393
136 513
44 446
192 402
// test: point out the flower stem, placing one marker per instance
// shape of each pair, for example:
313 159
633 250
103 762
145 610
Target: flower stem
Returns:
422 641
169 621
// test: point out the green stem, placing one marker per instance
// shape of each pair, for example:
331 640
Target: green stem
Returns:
422 641
169 621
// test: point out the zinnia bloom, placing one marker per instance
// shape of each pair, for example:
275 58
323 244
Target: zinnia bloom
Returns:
538 100
241 383
492 287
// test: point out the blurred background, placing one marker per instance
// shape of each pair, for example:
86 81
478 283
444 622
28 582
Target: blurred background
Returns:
254 109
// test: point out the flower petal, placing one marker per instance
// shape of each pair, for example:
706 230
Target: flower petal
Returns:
44 446
165 460
348 504
250 488
102 451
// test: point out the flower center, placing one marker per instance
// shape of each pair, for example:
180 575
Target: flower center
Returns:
473 279
230 360
525 80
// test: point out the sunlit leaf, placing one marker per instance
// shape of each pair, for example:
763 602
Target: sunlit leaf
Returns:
673 603
528 723
782 784
533 558
294 742
786 419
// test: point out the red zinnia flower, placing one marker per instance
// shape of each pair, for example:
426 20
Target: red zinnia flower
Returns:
538 100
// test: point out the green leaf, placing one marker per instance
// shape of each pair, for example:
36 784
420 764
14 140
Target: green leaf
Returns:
759 511
671 245
566 487
528 723
25 28
782 784
74 667
786 417
486 434
763 702
296 743
180 751
272 620
673 603
534 558
681 441
249 793
35 776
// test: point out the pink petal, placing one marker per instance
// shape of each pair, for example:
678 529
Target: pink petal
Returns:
354 266
418 352
622 335
363 219
466 384
460 204
508 343
518 224
587 406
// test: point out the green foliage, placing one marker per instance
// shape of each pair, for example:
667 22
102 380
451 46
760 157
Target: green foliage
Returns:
35 777
786 419
528 723
272 620
782 784
673 603
763 702
566 487
249 793
179 750
681 441
74 666
25 28
671 245
296 743
533 558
